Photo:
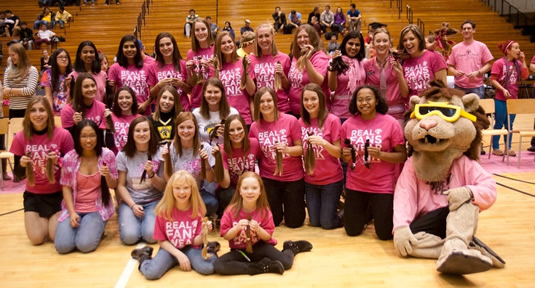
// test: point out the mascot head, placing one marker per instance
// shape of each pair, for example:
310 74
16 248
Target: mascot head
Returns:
443 125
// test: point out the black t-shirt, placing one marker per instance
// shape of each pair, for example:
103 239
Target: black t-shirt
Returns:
13 18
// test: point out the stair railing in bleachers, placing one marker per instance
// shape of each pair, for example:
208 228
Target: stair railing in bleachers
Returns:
141 18
420 24
399 6
513 15
410 14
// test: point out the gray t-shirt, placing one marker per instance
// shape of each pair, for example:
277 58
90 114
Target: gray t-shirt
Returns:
206 125
191 163
144 192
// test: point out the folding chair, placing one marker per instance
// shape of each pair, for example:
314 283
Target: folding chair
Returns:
520 106
488 106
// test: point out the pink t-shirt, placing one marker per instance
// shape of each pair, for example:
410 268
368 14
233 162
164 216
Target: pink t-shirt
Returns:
383 131
285 130
121 125
327 169
95 113
533 62
88 192
373 77
469 58
264 72
240 162
100 79
133 77
414 197
264 219
157 73
419 71
499 71
347 83
196 93
298 79
230 75
181 231
38 146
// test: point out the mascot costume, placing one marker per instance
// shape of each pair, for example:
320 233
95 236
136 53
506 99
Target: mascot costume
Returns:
442 187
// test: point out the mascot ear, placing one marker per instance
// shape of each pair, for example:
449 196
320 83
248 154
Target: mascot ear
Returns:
470 102
414 100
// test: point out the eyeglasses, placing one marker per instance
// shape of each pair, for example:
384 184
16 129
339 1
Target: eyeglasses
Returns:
445 111
63 57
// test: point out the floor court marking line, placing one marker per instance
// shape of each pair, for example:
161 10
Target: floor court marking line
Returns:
128 269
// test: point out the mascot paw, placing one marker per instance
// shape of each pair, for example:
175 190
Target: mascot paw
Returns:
497 261
458 196
464 262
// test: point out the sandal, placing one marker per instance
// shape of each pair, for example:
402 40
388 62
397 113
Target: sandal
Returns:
497 152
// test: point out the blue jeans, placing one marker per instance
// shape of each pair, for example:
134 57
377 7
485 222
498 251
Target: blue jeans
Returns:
85 237
132 229
154 268
480 91
321 203
501 121
210 201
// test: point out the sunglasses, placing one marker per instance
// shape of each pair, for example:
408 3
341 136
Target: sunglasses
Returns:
445 111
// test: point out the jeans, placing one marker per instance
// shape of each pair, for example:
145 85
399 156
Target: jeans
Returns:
356 215
132 229
210 201
154 268
479 91
501 121
322 201
85 237
224 196
286 200
38 23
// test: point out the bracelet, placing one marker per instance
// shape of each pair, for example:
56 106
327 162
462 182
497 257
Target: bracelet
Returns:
151 176
132 207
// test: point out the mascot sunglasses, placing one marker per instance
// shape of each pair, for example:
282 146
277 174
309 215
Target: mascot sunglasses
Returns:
444 110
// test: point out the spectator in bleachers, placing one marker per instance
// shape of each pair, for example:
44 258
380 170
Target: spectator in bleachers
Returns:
316 13
316 24
43 36
131 71
108 2
469 61
228 28
333 44
189 22
246 44
339 21
26 36
199 59
87 61
270 66
280 19
294 21
326 19
12 24
62 17
47 17
354 18
213 27
53 79
246 27
309 64
92 2
3 24
45 61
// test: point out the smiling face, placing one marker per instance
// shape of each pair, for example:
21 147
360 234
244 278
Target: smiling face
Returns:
142 133
353 47
88 55
212 96
125 102
236 132
186 131
166 47
381 43
89 89
311 102
14 57
167 102
303 39
129 50
267 106
38 116
468 31
201 32
265 39
411 44
182 193
88 138
366 103
250 191
227 45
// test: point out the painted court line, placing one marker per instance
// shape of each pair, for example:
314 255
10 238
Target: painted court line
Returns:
128 269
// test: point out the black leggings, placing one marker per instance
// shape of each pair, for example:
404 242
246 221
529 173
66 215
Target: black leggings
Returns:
234 263
356 214
286 200
433 222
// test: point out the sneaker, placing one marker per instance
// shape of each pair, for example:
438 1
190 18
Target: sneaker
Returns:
531 149
511 153
497 152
